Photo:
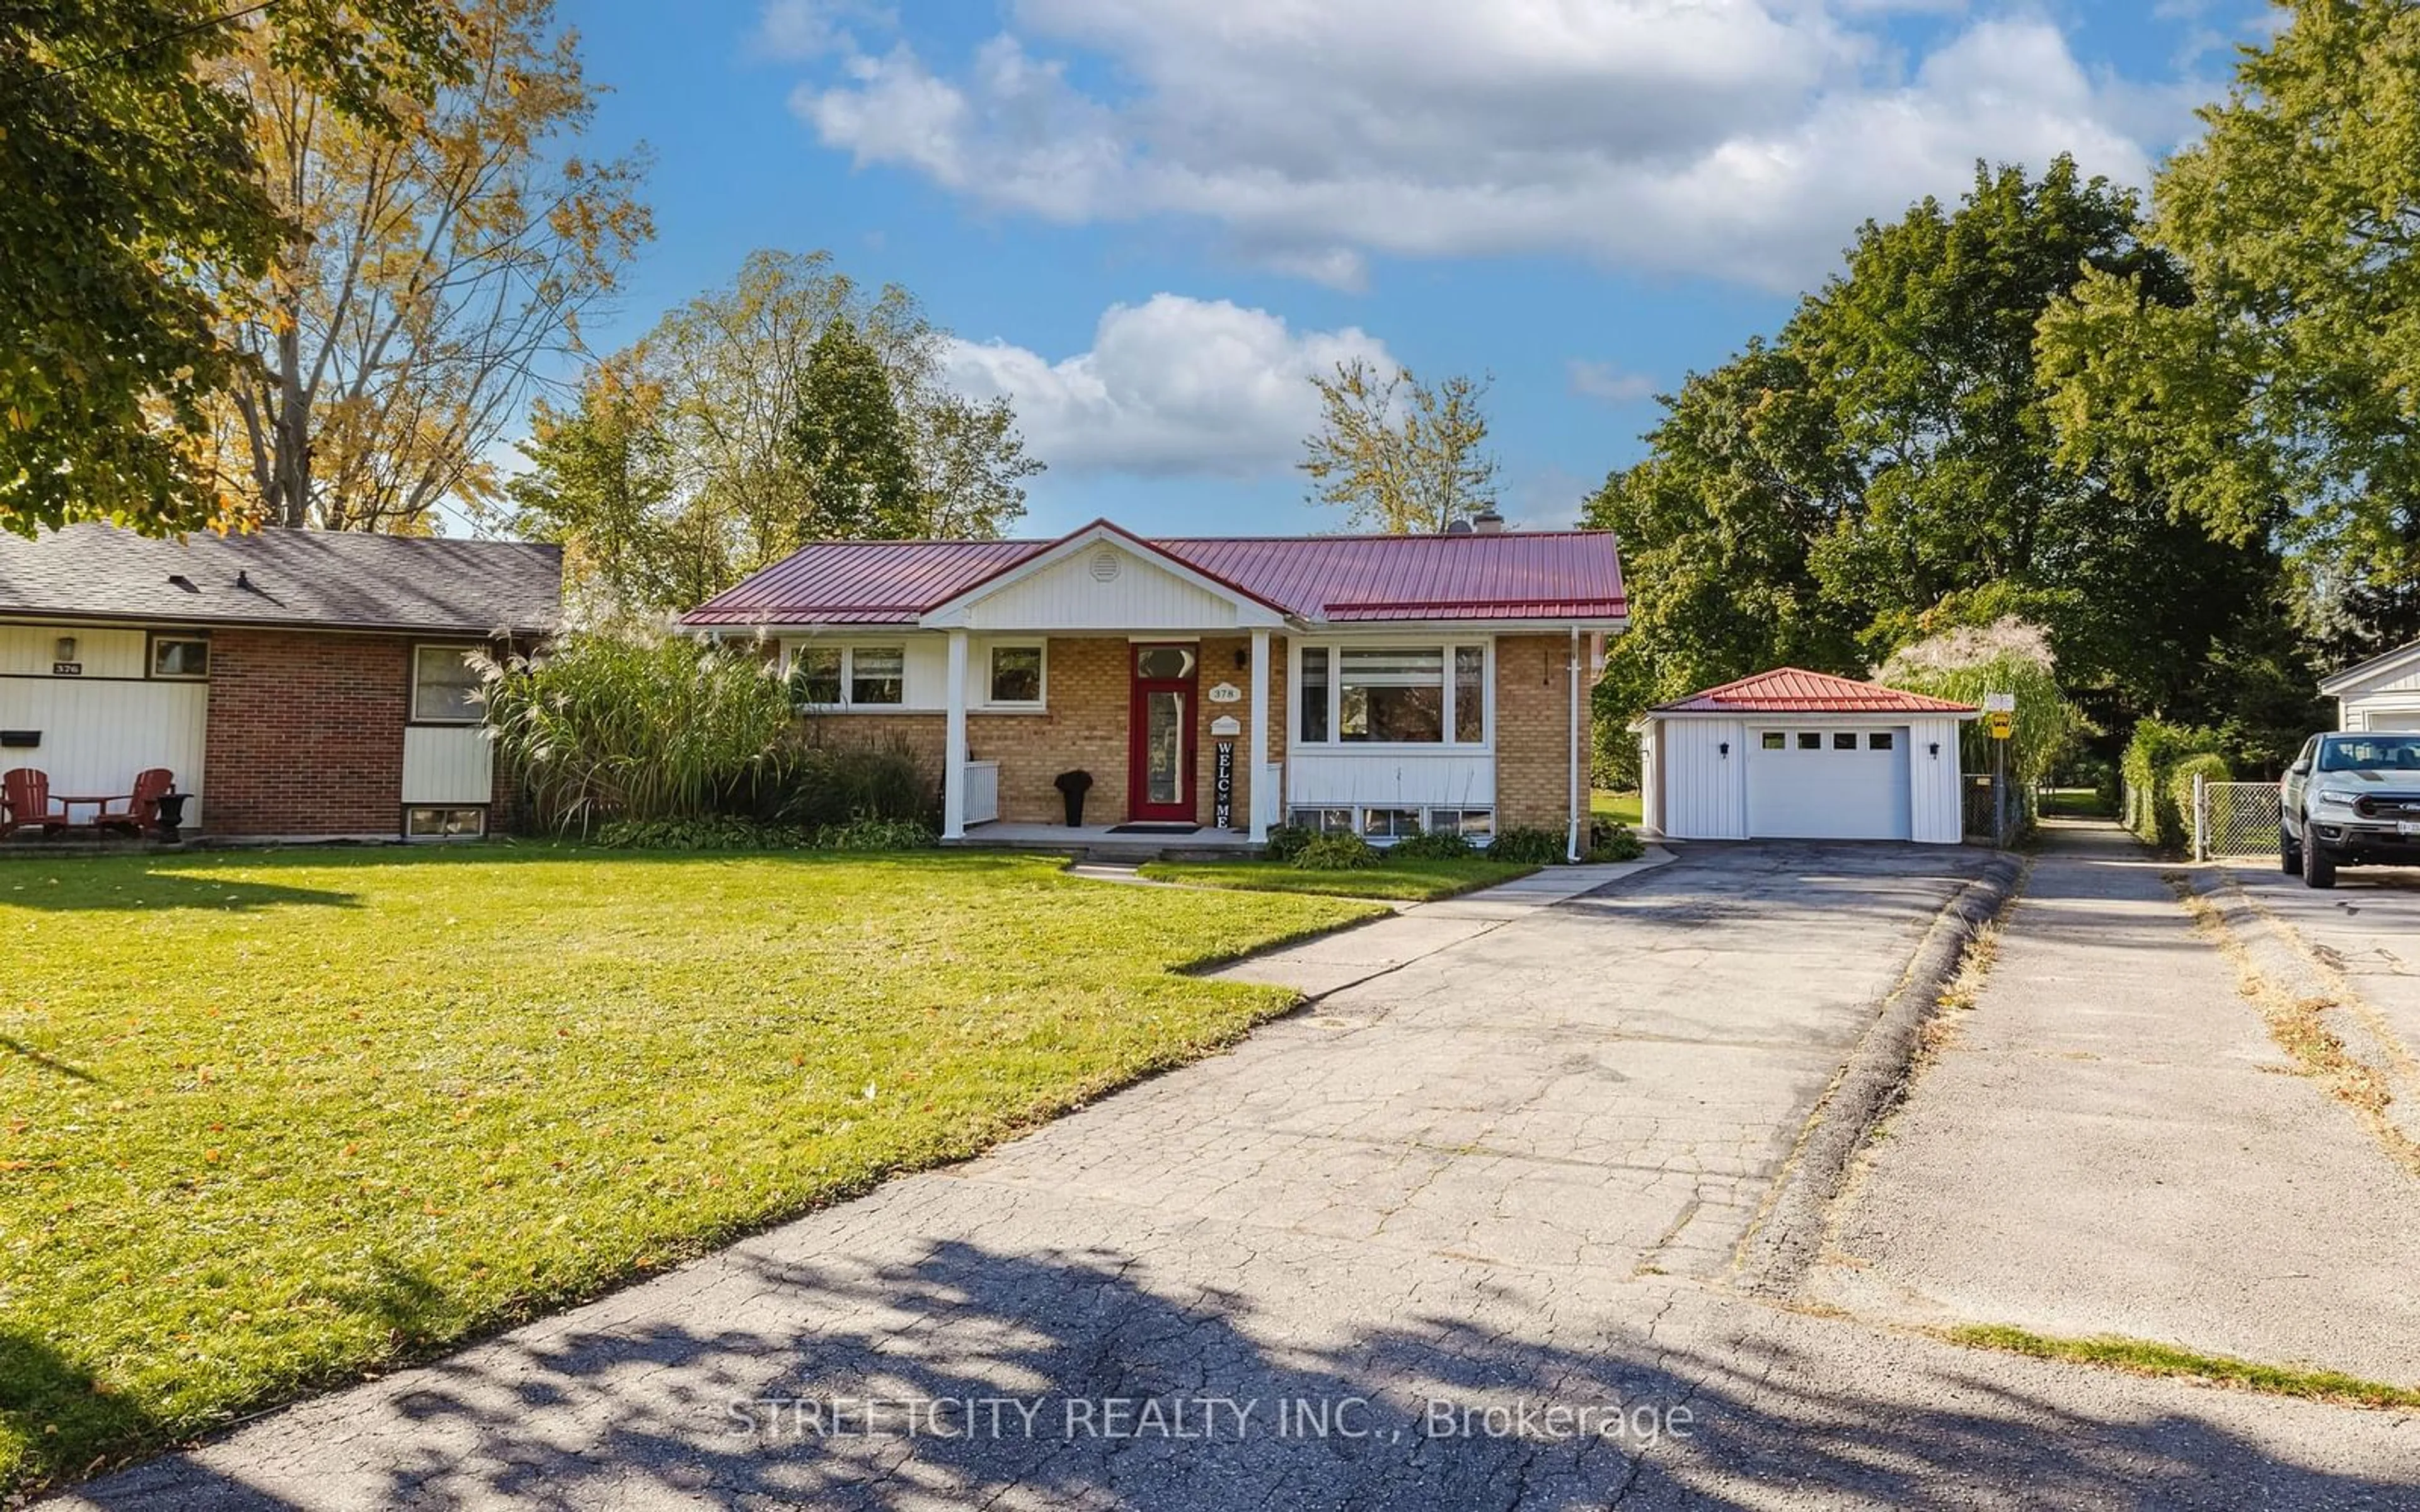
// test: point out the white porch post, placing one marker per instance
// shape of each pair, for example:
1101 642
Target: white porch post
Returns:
953 748
1258 772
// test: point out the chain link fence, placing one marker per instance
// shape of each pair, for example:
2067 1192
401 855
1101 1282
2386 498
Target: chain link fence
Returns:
2233 819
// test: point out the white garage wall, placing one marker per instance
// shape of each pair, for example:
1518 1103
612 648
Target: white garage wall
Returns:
1705 791
1934 783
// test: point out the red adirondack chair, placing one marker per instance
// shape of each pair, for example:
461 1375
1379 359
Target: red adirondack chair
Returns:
142 810
25 802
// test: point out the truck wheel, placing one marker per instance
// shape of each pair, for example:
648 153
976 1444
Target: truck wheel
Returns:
2318 870
2290 856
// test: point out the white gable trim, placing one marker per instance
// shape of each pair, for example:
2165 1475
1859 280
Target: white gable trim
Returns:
965 610
2381 668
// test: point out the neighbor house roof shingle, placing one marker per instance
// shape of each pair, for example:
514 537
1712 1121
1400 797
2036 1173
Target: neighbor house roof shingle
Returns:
323 578
1512 576
1790 690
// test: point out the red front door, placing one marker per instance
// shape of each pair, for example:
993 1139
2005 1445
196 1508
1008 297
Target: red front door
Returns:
1160 735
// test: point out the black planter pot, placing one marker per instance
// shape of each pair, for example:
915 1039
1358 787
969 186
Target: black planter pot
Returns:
171 816
1072 786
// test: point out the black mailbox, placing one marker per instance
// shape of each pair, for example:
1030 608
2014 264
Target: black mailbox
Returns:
21 739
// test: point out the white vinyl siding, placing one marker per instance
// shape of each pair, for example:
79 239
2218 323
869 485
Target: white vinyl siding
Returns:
447 764
97 734
1103 586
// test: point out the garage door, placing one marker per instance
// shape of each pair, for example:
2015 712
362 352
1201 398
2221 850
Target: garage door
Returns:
2395 718
1828 784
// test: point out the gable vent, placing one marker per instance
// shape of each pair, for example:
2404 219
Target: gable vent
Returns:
1106 566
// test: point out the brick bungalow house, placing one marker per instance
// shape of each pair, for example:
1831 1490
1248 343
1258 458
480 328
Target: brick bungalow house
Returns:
1380 683
299 683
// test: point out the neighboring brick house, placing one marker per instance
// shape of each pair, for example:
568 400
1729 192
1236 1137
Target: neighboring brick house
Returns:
1381 684
299 684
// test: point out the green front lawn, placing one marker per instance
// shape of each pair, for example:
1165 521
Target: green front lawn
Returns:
1623 807
1399 880
268 1122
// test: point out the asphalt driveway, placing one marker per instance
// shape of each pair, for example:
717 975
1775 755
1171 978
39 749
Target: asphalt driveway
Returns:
1453 1237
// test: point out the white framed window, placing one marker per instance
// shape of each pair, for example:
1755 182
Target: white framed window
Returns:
444 686
1470 824
456 822
181 657
849 677
1325 821
1424 693
1013 677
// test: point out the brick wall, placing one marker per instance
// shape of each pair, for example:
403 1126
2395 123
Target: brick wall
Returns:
1534 704
1084 728
305 733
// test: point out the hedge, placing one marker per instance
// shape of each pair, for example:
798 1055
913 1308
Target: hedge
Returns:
2159 767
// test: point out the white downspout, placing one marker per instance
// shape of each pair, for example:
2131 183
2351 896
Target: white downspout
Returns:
1572 848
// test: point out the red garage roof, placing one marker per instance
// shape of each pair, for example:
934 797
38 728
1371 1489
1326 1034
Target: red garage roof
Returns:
1555 576
1790 690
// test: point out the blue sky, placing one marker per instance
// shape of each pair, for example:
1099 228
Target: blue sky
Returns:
1147 220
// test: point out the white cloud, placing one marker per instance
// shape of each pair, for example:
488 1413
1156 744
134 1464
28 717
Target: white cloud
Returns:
1743 138
1603 381
1173 385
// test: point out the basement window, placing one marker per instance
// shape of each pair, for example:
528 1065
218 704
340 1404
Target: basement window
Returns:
445 823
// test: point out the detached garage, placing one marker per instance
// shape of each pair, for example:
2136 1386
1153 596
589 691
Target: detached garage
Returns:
1801 755
2382 693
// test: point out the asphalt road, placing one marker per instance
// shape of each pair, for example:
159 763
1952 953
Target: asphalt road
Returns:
1457 1237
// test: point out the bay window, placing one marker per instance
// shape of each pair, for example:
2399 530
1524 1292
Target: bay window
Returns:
1397 695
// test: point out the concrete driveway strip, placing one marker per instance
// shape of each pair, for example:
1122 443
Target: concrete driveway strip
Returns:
1428 1244
2363 934
2111 1143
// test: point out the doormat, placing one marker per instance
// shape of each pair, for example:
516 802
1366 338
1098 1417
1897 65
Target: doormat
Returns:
1155 829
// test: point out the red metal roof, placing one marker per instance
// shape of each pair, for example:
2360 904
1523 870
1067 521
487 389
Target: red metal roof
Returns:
1790 690
859 582
1552 576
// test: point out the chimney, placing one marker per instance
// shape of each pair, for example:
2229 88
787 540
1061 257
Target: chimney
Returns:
1487 521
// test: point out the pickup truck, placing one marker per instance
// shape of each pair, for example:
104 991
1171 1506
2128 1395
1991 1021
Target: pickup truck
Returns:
2349 799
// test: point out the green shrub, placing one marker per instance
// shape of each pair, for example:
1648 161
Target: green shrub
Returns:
1336 853
1528 847
633 724
706 832
1286 842
868 832
1611 840
817 784
2150 761
1436 846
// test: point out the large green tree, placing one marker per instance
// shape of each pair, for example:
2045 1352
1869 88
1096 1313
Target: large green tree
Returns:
852 447
131 205
790 406
1399 454
1888 466
2282 401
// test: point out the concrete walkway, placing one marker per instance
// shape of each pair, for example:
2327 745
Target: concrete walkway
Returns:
1452 1238
2112 1144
